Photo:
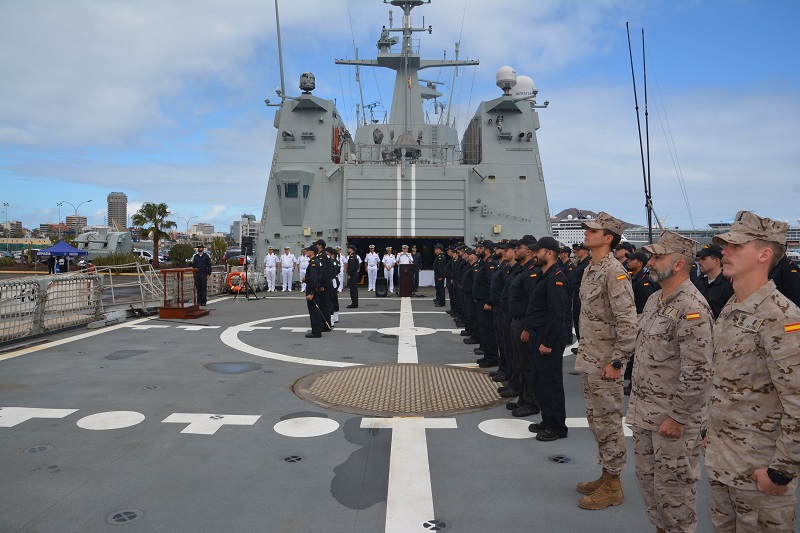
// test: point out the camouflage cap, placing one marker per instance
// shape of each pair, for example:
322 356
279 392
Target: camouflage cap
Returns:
748 227
605 221
670 242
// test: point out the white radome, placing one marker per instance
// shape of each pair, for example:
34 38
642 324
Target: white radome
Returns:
506 78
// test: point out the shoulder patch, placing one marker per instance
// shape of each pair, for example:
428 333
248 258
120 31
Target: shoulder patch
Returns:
621 277
559 283
789 328
534 275
645 284
692 316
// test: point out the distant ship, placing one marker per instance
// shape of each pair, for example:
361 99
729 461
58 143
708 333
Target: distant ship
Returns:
405 180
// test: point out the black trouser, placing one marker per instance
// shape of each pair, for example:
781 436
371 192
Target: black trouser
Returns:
486 332
325 301
576 312
549 382
334 301
415 286
568 320
353 284
470 323
439 283
201 283
452 290
522 360
315 314
502 321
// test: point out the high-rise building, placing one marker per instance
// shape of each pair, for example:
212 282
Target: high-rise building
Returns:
76 223
118 210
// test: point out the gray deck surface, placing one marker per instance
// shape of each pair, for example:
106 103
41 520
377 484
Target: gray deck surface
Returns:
238 479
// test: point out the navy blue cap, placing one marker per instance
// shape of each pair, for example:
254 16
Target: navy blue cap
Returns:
549 243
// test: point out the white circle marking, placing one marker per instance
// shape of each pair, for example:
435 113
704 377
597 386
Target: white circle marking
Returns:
506 428
311 426
110 420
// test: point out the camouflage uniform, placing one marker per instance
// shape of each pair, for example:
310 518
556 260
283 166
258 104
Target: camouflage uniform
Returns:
608 331
754 410
671 378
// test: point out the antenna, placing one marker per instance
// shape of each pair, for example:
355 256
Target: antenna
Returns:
648 205
280 52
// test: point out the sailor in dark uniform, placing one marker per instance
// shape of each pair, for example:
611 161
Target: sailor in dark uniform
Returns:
449 275
333 272
566 266
202 262
313 291
621 252
468 304
439 266
786 276
712 283
643 287
504 254
483 271
416 265
353 266
325 297
582 259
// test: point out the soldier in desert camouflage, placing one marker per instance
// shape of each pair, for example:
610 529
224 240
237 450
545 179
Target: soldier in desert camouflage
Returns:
753 453
608 335
671 383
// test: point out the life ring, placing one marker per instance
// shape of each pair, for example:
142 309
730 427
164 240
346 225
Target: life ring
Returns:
335 146
236 281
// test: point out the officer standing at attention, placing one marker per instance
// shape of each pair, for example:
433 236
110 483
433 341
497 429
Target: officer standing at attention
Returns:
313 291
288 261
373 260
546 337
519 294
621 252
388 261
417 261
608 330
270 262
582 259
501 253
752 457
302 264
786 276
202 262
326 283
342 260
467 302
508 370
643 287
439 266
451 265
671 384
353 267
484 271
711 283
566 266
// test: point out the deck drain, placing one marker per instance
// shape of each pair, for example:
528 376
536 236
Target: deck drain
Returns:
397 389
41 448
560 459
151 387
293 458
124 354
233 368
435 525
124 516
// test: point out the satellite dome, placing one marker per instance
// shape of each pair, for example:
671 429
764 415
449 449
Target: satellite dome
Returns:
569 217
506 78
307 82
524 87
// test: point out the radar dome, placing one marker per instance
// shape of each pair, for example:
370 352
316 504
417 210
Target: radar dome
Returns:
506 78
307 82
524 87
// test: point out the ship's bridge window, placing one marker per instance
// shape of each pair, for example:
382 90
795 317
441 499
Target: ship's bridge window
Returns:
290 190
523 177
306 190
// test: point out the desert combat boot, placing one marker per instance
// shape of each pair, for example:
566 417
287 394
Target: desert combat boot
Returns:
608 493
588 487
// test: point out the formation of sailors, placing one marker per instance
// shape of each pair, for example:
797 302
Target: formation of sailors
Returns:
718 355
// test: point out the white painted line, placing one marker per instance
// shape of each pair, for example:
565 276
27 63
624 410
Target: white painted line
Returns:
407 339
143 327
507 428
409 502
110 420
309 426
399 202
11 416
197 328
354 330
256 328
295 330
207 423
67 340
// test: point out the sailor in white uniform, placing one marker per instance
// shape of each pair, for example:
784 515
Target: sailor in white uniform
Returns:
302 264
404 258
288 261
388 268
373 260
270 261
343 266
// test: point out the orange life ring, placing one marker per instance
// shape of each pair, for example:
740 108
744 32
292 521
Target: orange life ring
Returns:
335 147
236 281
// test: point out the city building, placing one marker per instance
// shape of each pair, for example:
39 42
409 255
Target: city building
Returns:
201 228
247 226
118 210
76 223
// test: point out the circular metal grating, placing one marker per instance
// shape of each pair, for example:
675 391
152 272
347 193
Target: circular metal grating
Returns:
400 390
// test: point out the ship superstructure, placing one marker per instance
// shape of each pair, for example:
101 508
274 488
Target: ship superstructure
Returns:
404 179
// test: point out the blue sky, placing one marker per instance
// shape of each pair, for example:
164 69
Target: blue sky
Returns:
163 100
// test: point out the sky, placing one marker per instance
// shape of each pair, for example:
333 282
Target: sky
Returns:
164 100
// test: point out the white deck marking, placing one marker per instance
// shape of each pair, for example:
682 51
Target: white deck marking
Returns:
508 428
309 426
409 502
110 420
255 328
197 328
407 340
142 327
207 423
11 416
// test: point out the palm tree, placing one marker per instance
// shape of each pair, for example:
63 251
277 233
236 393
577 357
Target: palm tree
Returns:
154 216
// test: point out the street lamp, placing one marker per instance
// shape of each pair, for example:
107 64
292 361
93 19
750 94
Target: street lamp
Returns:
187 220
76 214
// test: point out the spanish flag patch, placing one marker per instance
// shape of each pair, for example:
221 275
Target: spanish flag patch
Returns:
692 316
559 283
621 277
533 275
789 328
